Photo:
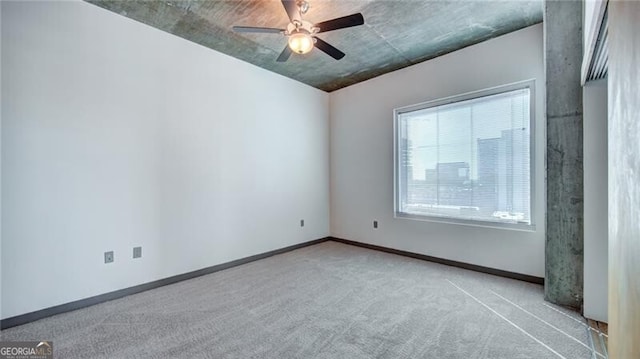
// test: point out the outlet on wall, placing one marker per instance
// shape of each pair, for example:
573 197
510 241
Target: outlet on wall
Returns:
137 252
108 257
375 224
302 223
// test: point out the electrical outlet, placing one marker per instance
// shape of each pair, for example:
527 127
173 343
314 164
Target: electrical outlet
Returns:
302 223
108 257
375 224
137 252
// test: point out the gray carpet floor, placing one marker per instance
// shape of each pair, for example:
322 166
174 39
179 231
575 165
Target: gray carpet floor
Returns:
329 300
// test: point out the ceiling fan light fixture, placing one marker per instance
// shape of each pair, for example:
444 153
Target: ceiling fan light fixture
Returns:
300 42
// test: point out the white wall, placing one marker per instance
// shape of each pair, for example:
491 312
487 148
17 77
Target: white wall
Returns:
362 154
0 161
116 134
595 200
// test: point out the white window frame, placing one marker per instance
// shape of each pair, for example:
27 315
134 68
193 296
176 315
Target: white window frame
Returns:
530 84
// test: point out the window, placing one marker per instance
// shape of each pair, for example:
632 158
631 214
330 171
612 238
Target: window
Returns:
467 159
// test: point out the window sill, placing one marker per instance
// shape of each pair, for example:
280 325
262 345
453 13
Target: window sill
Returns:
522 227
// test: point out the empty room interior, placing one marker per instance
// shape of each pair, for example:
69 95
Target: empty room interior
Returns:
320 179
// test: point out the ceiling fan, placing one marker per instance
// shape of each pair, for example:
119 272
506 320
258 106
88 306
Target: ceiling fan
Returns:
301 33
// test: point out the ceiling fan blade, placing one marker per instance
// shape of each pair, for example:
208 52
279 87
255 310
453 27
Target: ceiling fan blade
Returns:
291 7
284 55
257 29
328 49
341 22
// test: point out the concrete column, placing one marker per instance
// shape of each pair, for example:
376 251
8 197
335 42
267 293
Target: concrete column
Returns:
564 223
624 179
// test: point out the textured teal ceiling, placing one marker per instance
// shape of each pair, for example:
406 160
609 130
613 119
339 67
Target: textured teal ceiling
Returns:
396 34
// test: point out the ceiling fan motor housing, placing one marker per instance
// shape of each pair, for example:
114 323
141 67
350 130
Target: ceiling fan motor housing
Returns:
303 5
301 25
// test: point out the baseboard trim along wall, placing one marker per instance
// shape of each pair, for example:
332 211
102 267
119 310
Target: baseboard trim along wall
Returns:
82 303
473 267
